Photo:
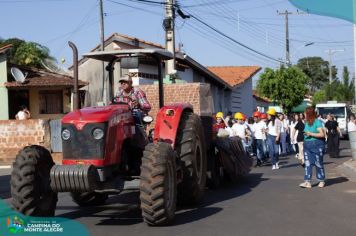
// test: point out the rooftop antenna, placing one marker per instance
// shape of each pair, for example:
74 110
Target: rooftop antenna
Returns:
18 75
53 67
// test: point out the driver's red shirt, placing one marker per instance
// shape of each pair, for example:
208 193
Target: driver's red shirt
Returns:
136 94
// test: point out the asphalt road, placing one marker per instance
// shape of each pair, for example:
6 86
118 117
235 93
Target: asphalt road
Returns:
266 202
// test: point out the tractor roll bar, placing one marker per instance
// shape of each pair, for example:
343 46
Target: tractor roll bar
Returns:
115 55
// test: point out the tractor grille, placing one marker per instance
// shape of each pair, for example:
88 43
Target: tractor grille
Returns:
82 144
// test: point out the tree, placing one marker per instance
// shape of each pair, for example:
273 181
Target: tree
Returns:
348 87
317 70
337 90
286 86
26 53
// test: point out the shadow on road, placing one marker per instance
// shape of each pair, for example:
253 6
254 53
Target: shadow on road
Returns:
337 180
124 209
5 186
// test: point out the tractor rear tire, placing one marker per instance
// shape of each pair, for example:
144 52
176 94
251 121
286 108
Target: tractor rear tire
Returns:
213 180
89 198
30 182
191 150
158 186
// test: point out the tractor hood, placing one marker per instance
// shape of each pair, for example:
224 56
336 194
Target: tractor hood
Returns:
95 114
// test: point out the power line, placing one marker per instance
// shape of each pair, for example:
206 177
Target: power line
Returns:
222 13
234 40
221 41
134 7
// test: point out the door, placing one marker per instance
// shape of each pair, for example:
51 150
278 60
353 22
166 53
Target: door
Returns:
56 140
18 98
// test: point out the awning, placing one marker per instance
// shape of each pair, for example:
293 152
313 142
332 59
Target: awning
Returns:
300 108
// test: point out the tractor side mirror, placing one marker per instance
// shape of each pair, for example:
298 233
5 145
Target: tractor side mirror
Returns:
147 119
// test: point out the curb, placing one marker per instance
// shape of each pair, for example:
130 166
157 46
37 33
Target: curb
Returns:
348 169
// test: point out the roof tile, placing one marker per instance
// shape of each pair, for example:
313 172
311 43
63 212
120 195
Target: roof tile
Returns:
234 75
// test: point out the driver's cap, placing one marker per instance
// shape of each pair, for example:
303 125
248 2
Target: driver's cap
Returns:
126 78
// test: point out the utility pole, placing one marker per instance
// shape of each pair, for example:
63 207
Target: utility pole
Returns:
102 47
355 58
354 25
286 14
168 24
331 52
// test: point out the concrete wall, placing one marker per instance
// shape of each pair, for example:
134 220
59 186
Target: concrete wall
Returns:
35 109
4 111
242 98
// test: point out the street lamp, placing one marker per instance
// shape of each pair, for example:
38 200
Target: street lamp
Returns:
303 46
331 52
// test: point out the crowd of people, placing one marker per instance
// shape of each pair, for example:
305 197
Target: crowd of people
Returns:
271 135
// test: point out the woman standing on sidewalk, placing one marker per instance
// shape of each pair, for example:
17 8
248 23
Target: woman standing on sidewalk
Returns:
333 133
273 137
314 145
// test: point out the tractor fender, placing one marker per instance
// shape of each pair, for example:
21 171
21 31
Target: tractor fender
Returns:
167 122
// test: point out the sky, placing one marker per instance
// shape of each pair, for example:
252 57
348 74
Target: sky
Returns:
255 24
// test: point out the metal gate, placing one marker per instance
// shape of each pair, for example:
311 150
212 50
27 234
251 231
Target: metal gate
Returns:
56 141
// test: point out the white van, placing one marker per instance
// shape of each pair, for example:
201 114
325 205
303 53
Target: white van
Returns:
339 110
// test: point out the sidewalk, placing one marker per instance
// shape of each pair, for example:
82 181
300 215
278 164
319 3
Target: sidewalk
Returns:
348 169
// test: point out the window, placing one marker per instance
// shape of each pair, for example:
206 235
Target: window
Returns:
51 101
339 112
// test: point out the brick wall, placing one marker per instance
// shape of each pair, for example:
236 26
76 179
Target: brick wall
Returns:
14 135
196 94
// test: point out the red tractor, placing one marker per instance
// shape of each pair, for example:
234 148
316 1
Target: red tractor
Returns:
106 151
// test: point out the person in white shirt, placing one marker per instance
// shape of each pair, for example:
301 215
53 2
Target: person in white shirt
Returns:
351 126
23 114
293 133
240 129
273 137
259 129
284 133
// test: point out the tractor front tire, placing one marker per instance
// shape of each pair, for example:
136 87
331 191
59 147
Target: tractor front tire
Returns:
30 182
191 150
89 198
158 186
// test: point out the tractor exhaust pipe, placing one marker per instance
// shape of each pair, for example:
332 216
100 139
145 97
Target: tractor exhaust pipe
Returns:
75 75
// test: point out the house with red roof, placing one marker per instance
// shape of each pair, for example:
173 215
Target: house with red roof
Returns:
240 98
47 95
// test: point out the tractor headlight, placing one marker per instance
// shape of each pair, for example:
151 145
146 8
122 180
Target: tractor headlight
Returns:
65 134
98 133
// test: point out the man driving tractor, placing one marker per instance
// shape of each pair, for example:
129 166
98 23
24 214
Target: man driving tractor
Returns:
133 96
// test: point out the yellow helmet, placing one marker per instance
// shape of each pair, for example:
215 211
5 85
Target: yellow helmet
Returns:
219 115
271 112
238 116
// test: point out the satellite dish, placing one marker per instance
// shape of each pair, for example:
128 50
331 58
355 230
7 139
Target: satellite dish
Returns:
18 75
52 66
